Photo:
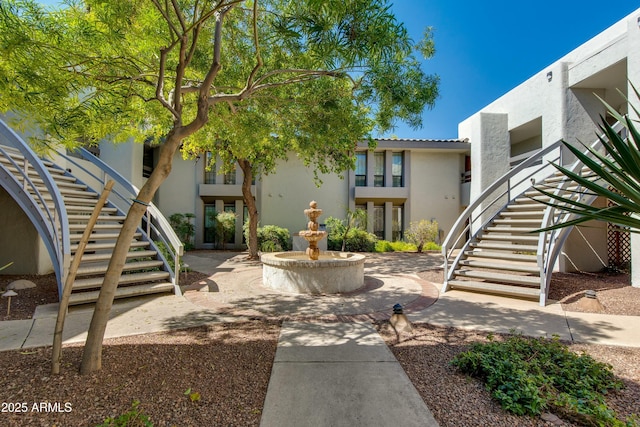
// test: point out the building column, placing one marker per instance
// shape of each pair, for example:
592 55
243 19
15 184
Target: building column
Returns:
370 217
239 222
370 168
388 221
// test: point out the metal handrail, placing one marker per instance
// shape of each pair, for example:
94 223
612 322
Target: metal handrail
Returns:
156 227
52 226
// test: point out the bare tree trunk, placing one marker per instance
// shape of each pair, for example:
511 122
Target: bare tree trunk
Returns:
250 202
92 355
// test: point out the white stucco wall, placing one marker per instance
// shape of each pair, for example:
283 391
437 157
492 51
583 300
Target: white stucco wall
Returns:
435 188
285 194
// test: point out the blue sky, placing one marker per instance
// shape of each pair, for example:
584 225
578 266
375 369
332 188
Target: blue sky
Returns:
485 48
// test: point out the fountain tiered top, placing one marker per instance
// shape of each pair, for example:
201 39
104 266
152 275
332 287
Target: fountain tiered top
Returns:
312 234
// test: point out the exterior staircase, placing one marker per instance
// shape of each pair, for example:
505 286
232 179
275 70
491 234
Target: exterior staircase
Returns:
63 203
494 247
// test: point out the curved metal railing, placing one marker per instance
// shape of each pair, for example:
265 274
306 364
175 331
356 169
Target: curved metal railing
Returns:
50 221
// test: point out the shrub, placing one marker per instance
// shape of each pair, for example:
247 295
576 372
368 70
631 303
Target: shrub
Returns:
384 246
422 232
528 376
185 230
431 246
336 230
360 241
134 417
271 238
398 246
225 226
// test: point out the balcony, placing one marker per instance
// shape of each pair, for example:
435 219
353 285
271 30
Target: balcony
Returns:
222 190
387 193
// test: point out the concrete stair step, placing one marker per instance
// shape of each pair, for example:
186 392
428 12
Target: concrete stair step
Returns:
516 230
523 207
74 228
507 266
147 276
510 237
507 256
101 236
522 214
499 277
79 201
512 247
88 258
77 209
93 268
102 218
123 292
518 222
107 245
495 288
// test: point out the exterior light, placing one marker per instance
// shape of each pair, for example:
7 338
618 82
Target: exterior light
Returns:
10 293
550 76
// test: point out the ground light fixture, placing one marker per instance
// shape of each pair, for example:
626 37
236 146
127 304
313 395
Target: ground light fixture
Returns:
10 293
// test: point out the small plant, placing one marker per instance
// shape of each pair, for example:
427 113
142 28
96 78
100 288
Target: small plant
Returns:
194 396
134 417
422 232
528 376
184 228
399 246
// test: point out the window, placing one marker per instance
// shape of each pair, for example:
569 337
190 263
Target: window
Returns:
378 221
397 170
230 178
147 160
209 224
396 217
378 171
361 169
209 168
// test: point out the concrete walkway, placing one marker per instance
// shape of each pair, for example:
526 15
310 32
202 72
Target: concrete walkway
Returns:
339 374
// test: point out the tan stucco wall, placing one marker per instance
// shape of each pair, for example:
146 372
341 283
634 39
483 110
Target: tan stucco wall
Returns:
178 194
287 193
435 188
19 241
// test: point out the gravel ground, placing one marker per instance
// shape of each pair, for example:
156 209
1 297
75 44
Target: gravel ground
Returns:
229 366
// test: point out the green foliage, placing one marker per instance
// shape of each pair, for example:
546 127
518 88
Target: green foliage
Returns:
358 240
225 226
528 376
271 238
431 246
184 228
166 254
6 266
399 246
134 417
336 230
193 396
421 232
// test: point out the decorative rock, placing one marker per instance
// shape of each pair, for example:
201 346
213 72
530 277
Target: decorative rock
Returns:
21 284
551 418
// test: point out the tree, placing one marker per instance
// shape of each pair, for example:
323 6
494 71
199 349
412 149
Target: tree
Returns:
422 232
135 69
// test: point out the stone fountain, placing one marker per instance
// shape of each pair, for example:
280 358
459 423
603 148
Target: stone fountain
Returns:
312 272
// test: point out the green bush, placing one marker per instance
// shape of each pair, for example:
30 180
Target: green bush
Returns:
336 229
399 246
431 246
185 230
360 241
271 238
422 232
528 376
384 246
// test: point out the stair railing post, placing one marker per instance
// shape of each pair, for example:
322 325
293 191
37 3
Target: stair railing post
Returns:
26 174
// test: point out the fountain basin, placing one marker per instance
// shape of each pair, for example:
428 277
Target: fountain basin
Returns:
333 272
